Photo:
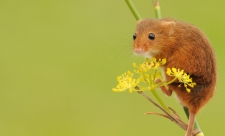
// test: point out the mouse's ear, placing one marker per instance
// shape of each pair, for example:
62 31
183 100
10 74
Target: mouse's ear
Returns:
169 26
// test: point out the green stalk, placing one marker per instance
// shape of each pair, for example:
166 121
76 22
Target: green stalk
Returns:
133 10
164 84
157 9
160 100
155 93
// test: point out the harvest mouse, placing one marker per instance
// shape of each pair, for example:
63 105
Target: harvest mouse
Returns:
185 47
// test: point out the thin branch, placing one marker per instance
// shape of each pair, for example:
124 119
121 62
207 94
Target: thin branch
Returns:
155 113
174 118
133 10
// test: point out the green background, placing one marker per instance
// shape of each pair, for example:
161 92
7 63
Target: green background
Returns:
59 61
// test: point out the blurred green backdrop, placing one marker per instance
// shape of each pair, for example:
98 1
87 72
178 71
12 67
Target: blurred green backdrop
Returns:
59 61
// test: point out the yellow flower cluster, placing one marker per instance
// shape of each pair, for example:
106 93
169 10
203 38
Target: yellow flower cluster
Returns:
149 64
182 77
149 70
148 73
126 82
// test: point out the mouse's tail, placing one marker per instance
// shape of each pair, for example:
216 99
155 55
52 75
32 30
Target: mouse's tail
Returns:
191 122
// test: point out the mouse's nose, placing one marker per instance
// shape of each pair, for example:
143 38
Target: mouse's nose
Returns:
138 50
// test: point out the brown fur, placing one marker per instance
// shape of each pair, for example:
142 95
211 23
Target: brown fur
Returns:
185 47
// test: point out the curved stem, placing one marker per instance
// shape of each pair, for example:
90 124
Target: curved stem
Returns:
165 83
133 10
160 100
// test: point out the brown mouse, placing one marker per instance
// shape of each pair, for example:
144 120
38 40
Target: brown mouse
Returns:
185 47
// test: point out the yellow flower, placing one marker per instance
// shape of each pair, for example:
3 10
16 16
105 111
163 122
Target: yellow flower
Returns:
158 63
148 73
149 64
142 68
125 81
182 77
151 77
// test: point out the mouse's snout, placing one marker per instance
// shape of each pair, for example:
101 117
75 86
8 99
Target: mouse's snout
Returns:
141 51
139 47
138 50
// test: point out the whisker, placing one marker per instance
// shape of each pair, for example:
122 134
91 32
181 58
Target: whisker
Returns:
126 62
118 60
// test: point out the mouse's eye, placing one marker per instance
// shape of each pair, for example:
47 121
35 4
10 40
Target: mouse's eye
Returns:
151 36
134 36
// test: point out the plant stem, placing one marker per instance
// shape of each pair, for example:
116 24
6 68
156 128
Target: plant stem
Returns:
165 83
133 10
157 9
158 15
160 101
